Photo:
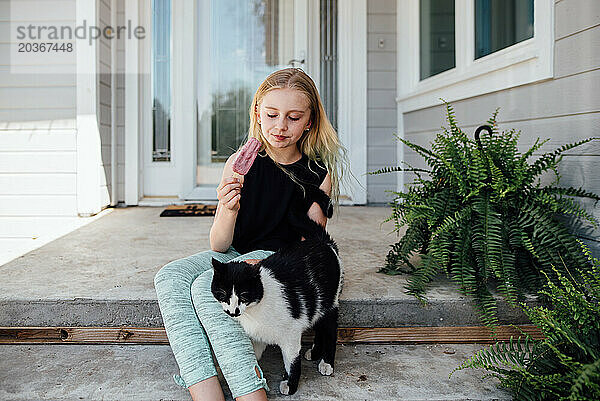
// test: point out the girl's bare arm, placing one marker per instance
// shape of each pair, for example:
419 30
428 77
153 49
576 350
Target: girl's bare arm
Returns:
228 193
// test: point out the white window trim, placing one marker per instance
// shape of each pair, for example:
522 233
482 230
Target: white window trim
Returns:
522 63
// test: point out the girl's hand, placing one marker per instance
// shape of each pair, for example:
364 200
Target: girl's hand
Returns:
252 261
228 193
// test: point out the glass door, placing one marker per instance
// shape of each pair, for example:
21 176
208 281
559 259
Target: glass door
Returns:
239 44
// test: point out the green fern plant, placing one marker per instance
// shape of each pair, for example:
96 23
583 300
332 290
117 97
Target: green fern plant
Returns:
479 213
566 364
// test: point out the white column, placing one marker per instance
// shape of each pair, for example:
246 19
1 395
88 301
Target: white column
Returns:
88 133
352 92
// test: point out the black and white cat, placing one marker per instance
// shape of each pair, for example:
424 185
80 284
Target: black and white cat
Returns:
275 300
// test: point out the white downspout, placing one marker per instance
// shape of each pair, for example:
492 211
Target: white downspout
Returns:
132 116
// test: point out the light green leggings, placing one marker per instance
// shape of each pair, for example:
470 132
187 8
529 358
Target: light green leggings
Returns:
192 316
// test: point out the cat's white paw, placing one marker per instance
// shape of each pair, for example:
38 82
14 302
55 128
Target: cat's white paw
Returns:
308 355
284 388
325 368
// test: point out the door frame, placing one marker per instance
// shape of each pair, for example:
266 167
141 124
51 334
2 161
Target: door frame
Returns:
180 173
160 179
352 98
144 178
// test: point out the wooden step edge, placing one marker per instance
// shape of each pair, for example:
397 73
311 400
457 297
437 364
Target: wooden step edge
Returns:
157 335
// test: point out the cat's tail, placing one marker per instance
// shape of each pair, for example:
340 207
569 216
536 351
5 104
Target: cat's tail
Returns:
304 225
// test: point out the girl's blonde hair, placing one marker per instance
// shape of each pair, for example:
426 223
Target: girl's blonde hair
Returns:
320 142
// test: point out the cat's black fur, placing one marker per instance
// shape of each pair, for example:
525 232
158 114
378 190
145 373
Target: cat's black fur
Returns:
292 290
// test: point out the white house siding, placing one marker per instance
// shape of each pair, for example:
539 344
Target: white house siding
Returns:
381 92
564 109
37 141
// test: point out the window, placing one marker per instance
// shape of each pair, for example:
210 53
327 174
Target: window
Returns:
437 53
455 49
329 59
248 41
161 80
501 23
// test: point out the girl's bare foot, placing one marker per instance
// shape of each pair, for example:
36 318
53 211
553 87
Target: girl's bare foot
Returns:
207 390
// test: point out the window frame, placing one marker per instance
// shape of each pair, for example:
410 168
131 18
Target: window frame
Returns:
525 62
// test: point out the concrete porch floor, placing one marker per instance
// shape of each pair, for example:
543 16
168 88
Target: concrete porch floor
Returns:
102 274
143 373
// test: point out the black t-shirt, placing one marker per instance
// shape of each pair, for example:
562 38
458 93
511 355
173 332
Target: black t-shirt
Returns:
266 198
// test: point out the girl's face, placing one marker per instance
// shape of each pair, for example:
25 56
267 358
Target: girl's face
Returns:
284 114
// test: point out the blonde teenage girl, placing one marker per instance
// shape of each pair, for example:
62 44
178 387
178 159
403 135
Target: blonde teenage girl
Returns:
299 148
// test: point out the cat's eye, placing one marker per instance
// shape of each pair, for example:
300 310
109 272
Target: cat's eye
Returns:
244 297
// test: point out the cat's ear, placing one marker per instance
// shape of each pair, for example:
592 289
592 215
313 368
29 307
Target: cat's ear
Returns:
254 269
217 266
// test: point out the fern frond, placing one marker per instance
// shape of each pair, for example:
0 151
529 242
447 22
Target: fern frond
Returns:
570 191
403 249
550 159
587 381
537 145
487 237
427 271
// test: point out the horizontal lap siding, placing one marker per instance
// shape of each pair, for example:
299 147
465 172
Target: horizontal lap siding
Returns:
564 109
38 134
37 140
381 92
38 173
37 137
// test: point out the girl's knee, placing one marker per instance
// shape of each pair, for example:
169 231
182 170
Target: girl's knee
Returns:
203 300
186 269
170 272
258 254
201 286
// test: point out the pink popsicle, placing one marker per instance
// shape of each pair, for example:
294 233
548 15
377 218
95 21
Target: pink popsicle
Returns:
246 156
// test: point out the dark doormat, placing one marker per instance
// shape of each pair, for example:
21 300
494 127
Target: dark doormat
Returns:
194 209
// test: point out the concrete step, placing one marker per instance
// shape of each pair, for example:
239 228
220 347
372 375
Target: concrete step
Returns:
362 372
103 274
404 312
